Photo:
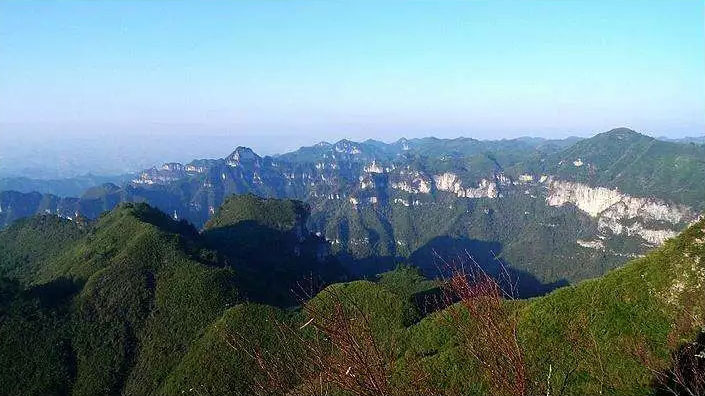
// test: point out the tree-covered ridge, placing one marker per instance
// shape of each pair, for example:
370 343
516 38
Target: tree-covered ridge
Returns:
539 205
602 336
30 242
122 298
125 299
635 164
282 215
617 335
613 335
139 303
267 243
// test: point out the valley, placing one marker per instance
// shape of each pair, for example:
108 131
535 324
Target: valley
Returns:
222 276
352 198
535 204
139 303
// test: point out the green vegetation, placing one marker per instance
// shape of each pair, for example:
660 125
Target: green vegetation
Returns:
266 242
281 215
604 335
213 366
392 225
593 336
29 243
406 281
36 356
636 164
137 303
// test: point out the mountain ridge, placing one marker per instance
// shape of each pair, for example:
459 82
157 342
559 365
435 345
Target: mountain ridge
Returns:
385 203
135 305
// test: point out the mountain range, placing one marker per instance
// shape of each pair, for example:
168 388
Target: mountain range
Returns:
137 303
540 206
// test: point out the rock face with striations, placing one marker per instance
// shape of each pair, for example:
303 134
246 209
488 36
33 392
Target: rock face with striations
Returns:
651 219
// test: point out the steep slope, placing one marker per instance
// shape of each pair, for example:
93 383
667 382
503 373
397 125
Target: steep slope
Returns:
111 307
212 366
281 215
635 164
539 205
267 243
126 300
141 304
36 354
602 336
28 244
218 364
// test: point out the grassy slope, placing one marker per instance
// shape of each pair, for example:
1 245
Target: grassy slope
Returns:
655 302
591 330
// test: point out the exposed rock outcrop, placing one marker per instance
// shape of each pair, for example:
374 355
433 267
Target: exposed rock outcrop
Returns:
452 183
621 213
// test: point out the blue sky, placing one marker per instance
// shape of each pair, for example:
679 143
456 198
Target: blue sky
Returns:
313 70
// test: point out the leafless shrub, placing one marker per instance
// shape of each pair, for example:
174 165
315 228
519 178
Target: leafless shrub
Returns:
683 374
334 350
487 326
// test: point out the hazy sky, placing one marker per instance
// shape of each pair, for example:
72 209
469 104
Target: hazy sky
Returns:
295 72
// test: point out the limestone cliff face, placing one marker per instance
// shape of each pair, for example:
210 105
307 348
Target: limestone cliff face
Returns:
373 167
242 154
411 181
451 182
591 200
652 219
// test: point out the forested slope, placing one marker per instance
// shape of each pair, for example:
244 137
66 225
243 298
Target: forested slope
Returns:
137 304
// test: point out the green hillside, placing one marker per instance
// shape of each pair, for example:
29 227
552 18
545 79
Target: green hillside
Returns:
636 164
126 296
139 304
282 215
266 242
590 336
29 243
603 336
125 299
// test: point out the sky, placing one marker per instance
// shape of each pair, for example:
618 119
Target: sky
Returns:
280 74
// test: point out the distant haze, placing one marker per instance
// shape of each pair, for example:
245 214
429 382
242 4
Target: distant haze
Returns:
59 156
108 86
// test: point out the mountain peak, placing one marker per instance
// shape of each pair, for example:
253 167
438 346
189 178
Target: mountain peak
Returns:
622 132
347 146
242 154
100 191
279 214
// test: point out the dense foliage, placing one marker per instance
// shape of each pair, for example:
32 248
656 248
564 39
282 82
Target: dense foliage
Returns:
373 224
111 307
139 303
634 163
